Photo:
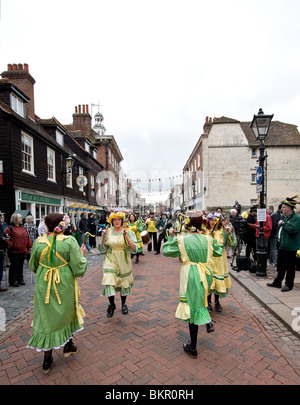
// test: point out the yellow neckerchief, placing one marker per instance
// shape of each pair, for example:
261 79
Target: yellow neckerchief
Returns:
202 269
53 271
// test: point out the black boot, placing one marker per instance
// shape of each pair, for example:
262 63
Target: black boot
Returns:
69 348
187 348
209 307
217 304
124 306
111 307
48 362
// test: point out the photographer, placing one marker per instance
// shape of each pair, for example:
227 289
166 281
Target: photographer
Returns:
238 223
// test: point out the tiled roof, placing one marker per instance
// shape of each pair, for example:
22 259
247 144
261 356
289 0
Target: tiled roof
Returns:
280 134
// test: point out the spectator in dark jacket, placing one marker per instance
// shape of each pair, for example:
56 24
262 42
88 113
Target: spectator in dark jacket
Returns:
83 228
18 242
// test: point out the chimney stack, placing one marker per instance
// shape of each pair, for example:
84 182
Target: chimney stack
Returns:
19 75
82 120
208 124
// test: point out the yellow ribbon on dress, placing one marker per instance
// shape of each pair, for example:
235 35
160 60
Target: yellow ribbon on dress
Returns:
56 280
202 269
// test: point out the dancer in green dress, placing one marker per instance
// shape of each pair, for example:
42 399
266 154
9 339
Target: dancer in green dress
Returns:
57 261
117 244
196 251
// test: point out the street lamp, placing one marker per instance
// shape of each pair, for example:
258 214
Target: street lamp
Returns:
260 126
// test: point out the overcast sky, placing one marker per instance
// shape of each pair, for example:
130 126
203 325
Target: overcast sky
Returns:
157 67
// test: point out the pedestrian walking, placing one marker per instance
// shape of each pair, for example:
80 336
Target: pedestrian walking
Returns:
57 261
117 243
219 265
287 242
18 242
195 250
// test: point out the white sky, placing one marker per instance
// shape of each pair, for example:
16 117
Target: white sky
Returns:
157 67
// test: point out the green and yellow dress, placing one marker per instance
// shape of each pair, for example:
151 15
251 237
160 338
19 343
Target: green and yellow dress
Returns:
57 313
137 228
219 266
117 266
196 277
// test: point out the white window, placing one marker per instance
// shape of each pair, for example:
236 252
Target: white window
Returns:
80 171
59 137
51 164
253 153
27 153
17 105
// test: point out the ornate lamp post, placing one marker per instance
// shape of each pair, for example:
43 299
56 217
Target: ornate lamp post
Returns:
260 126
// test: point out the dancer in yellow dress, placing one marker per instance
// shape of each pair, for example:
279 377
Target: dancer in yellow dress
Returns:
117 244
136 226
219 265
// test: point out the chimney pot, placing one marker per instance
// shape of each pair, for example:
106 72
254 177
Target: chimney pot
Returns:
26 67
79 109
20 66
75 109
209 119
14 66
206 120
83 108
9 66
87 108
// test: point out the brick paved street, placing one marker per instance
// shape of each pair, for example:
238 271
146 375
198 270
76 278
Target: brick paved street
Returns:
249 346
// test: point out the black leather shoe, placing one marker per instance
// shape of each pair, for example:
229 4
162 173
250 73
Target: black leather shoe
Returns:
69 349
47 364
285 288
273 285
124 309
14 284
22 282
218 307
111 310
189 351
210 327
157 253
209 307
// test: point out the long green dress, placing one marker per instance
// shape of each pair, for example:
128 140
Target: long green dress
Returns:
117 266
57 314
196 251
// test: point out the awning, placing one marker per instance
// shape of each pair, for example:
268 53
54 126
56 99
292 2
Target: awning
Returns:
24 213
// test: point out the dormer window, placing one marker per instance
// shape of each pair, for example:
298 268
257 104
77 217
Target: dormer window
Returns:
59 137
17 105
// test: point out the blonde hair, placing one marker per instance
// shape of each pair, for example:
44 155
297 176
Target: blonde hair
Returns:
14 219
29 218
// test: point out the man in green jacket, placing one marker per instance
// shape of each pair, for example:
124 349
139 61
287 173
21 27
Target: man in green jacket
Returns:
287 242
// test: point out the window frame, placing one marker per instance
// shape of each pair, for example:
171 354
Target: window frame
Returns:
53 166
31 154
